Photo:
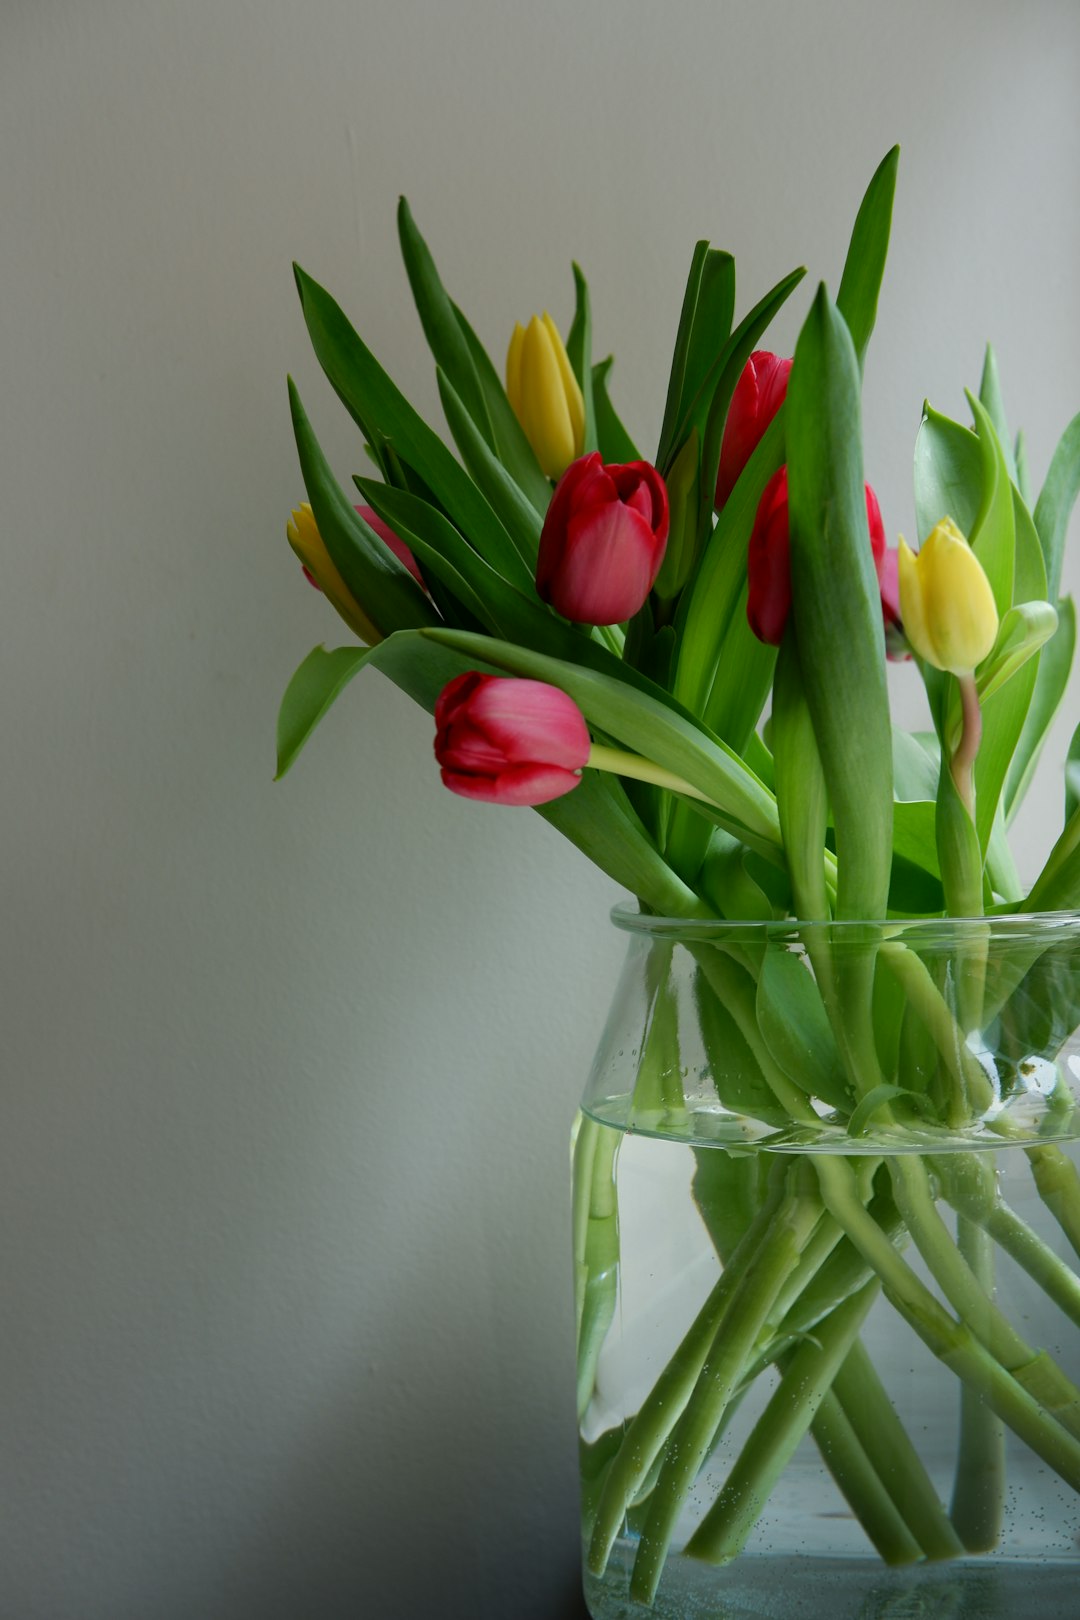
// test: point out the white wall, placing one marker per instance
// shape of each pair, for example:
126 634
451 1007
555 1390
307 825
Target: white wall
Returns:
289 1069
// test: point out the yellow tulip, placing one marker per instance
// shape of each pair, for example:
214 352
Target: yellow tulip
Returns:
946 605
310 547
544 393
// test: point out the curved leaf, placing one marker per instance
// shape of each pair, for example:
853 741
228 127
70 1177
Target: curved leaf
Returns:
864 267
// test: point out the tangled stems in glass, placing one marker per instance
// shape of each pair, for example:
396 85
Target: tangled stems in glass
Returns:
862 1056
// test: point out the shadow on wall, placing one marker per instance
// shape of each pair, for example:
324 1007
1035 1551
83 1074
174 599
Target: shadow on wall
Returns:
467 1510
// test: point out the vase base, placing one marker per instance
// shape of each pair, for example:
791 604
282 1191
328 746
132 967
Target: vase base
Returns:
811 1588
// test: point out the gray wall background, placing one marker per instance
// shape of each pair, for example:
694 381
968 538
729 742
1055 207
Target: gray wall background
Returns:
289 1069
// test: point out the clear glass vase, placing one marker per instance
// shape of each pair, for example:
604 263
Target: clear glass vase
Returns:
826 1239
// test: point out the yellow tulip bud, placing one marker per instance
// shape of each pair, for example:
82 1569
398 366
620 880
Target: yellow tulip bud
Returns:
544 393
310 547
946 605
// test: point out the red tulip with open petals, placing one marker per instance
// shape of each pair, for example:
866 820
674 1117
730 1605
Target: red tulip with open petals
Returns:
509 741
603 540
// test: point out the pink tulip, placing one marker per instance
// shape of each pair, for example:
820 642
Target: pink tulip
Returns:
759 394
398 547
509 741
603 540
768 560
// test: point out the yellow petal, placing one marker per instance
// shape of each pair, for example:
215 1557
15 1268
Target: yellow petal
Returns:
574 398
545 414
310 547
912 611
946 603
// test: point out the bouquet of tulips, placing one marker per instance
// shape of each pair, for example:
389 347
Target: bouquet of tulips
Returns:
599 635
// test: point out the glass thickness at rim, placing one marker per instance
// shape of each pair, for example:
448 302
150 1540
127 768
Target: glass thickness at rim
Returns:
1048 927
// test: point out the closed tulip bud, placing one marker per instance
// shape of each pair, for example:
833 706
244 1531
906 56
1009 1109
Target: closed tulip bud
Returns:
509 741
603 540
759 394
310 547
768 559
946 604
544 393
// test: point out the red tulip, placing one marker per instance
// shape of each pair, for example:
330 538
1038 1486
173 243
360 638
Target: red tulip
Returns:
768 562
398 547
603 540
509 741
759 394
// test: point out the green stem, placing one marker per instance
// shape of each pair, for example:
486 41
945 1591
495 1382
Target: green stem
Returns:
1034 1370
861 1485
1058 1186
748 1311
882 1436
722 1533
951 1341
596 1247
971 1188
669 1396
978 1501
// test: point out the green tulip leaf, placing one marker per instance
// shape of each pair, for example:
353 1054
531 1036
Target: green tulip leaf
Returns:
368 394
712 597
836 606
444 555
1055 664
740 1086
796 1028
1021 633
315 686
579 353
801 795
993 404
1023 472
381 585
948 474
1072 776
704 329
993 535
1056 501
441 328
515 511
875 1101
614 442
864 267
511 446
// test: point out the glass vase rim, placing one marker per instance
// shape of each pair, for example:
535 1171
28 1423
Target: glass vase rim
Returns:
1048 926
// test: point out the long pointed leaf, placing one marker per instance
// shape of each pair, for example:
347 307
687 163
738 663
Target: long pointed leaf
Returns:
579 353
614 442
1055 664
382 586
441 328
864 267
994 405
516 512
368 393
837 606
512 447
1056 501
